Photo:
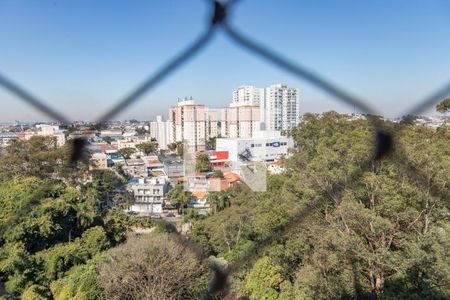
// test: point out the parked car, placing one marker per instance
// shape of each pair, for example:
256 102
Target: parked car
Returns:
170 215
157 216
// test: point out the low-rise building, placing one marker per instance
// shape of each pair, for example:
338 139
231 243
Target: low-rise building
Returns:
99 161
173 166
111 133
265 146
149 195
57 131
132 141
199 200
135 167
6 138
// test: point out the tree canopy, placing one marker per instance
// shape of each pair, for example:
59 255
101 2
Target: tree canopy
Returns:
338 223
443 106
147 148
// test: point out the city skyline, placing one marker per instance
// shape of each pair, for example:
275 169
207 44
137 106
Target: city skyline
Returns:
81 57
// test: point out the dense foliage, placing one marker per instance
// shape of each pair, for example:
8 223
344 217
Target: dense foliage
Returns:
52 226
203 164
339 224
443 106
336 224
157 266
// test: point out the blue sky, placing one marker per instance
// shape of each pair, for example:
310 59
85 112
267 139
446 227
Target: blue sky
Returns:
82 56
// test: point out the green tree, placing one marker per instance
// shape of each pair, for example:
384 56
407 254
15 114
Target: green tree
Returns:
339 224
217 174
107 139
85 214
211 143
219 200
36 157
147 148
80 282
443 106
126 152
191 215
203 164
176 147
179 197
123 199
35 292
180 149
265 279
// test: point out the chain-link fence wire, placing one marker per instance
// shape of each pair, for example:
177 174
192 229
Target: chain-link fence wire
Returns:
383 141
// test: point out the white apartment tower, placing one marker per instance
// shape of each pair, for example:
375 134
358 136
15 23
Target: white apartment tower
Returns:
279 107
247 95
160 130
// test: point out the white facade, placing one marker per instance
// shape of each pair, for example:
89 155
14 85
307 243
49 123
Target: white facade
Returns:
247 95
279 107
159 130
132 141
263 146
57 131
149 195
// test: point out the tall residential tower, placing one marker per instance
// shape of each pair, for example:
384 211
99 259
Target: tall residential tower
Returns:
279 107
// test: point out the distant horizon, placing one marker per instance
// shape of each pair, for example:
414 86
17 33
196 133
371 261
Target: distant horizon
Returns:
165 118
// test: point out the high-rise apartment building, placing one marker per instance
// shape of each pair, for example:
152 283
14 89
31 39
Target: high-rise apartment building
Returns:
189 123
252 109
246 95
160 130
240 121
279 107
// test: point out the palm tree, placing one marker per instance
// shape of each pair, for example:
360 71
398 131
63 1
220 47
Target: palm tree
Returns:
85 213
213 200
179 197
190 215
218 200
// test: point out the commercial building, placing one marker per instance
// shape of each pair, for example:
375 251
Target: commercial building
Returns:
264 146
149 195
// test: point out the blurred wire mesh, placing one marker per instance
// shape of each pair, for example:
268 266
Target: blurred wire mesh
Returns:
220 11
